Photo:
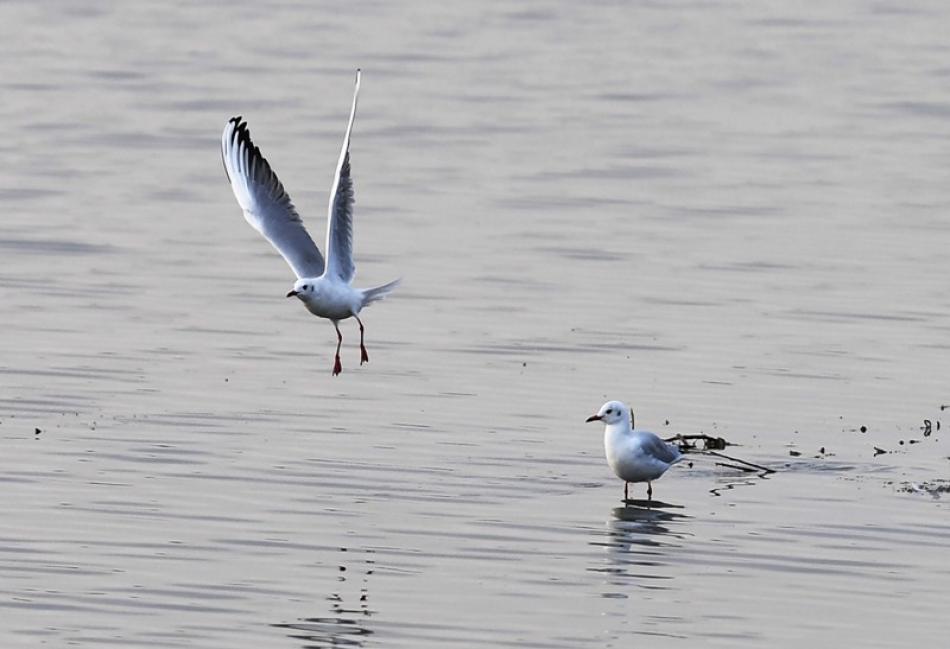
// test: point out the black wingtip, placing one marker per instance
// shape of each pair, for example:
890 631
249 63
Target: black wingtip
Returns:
240 130
241 134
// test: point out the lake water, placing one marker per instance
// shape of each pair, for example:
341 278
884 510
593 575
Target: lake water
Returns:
733 216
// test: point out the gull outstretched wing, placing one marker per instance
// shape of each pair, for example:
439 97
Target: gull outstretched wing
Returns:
340 220
266 205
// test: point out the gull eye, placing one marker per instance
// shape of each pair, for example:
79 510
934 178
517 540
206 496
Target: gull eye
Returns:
305 287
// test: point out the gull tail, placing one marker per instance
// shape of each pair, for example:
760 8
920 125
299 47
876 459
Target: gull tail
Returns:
371 295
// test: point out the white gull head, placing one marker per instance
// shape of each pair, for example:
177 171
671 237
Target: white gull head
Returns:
612 413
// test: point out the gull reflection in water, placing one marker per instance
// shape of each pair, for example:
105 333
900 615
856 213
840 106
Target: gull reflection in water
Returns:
346 625
640 541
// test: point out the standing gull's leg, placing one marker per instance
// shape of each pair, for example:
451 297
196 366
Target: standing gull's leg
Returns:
649 491
364 357
626 496
337 365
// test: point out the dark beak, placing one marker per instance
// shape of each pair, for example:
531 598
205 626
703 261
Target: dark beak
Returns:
292 293
594 418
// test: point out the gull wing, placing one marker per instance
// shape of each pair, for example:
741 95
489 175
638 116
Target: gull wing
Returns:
266 205
655 447
340 221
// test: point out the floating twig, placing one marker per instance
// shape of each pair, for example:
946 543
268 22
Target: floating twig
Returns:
713 444
744 469
709 442
755 466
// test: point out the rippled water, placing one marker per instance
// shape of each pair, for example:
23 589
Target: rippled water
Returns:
734 217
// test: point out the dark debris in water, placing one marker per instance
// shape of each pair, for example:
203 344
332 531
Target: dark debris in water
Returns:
928 427
742 465
934 488
688 443
711 445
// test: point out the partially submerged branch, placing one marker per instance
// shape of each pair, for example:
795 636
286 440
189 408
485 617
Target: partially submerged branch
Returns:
753 466
709 442
711 445
737 467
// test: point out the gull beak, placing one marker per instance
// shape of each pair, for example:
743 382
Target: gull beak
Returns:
593 418
292 293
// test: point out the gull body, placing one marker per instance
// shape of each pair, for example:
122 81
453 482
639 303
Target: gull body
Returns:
329 299
635 455
324 286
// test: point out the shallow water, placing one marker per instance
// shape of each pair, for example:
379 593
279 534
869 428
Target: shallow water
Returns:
732 217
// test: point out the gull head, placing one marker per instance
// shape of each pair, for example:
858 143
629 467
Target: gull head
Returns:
303 289
612 412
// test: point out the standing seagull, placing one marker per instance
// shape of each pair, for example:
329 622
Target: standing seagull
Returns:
324 288
634 455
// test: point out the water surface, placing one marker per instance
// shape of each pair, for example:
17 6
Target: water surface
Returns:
732 217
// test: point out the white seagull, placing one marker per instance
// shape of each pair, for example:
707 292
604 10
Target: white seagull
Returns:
324 288
634 455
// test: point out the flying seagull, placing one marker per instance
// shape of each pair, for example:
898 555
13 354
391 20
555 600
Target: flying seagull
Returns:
323 287
635 455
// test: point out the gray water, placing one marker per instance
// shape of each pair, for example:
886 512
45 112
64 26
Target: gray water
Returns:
731 215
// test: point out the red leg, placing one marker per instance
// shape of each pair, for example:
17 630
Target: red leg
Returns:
337 365
364 357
